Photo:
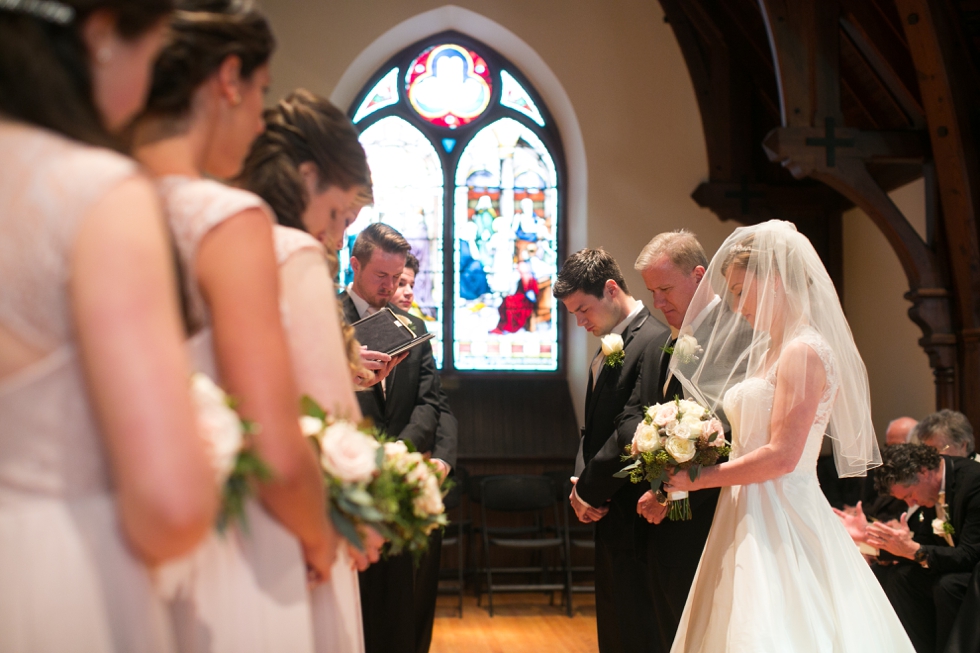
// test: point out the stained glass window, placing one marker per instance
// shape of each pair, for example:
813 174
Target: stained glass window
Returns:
462 151
384 94
408 195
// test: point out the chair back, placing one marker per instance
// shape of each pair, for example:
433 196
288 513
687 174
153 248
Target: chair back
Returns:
517 492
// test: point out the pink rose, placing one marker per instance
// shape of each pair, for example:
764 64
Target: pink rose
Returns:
666 414
714 425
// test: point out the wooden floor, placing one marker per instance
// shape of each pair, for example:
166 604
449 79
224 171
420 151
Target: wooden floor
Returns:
521 622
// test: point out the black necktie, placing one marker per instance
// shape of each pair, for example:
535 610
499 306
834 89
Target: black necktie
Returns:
664 365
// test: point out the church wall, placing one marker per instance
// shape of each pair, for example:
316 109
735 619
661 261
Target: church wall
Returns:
874 284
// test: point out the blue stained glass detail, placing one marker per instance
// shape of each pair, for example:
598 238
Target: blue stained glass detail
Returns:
448 144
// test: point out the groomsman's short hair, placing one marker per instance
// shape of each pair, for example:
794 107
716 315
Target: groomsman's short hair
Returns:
681 246
588 270
379 236
901 464
951 424
412 263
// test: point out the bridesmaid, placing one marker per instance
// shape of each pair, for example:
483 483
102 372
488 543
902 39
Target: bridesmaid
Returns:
245 591
101 470
309 165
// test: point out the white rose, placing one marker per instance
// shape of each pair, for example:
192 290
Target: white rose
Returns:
646 438
937 527
681 430
218 425
686 349
310 426
693 424
681 449
652 411
611 344
347 454
429 500
690 408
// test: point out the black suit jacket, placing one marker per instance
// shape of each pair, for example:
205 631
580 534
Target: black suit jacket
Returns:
615 388
963 500
413 406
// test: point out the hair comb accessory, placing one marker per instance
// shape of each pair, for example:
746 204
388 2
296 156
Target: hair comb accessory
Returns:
50 11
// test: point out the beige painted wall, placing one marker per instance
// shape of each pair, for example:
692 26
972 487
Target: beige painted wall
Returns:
900 378
632 119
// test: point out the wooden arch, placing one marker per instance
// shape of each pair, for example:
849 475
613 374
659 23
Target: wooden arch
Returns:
810 107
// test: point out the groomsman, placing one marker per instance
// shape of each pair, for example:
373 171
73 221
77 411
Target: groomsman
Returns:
672 265
592 288
398 601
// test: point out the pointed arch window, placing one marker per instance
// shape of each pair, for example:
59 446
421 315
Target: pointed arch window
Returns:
467 163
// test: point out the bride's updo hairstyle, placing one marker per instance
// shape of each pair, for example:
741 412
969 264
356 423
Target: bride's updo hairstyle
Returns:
203 34
45 75
302 128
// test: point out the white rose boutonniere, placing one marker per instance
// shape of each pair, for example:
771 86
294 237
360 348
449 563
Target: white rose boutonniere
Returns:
687 349
612 349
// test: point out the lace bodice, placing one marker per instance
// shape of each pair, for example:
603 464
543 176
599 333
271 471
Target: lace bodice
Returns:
49 439
48 184
194 207
289 241
750 429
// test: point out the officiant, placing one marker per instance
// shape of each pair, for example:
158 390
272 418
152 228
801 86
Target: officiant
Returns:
398 600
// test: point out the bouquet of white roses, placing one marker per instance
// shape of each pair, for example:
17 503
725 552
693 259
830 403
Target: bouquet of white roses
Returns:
378 484
676 435
227 436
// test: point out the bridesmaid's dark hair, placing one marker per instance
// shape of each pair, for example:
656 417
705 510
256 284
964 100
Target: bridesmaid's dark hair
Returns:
304 127
45 77
203 34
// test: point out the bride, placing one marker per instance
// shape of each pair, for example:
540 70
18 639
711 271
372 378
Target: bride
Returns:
778 572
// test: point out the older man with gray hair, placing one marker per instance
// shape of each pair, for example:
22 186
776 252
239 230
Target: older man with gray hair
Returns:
947 431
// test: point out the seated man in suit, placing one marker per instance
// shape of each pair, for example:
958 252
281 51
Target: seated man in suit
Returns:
398 601
927 602
593 289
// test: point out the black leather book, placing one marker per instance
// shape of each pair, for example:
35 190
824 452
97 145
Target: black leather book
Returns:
386 332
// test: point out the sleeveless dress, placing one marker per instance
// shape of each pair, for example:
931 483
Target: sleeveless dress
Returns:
238 592
336 604
68 581
779 572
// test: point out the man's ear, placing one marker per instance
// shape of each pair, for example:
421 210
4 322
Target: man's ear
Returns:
698 273
610 289
355 265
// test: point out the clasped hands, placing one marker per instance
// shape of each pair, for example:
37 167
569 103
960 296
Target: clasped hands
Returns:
650 507
585 513
894 536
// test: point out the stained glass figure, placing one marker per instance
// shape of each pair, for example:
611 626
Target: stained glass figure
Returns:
513 96
448 85
384 94
506 252
408 195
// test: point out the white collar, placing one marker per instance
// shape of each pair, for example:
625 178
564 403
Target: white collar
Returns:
621 327
359 302
698 319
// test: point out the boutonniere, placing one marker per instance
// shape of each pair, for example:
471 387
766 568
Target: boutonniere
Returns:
612 349
686 349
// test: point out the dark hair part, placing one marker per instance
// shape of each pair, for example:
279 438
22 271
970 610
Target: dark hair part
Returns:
45 74
901 464
203 34
379 236
951 424
412 263
588 270
303 127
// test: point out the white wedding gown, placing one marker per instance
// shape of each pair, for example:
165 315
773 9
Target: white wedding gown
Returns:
779 572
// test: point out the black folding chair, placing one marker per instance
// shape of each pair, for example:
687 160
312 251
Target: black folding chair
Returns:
455 535
535 496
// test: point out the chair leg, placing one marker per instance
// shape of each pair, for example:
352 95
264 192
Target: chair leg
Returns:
459 569
489 584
